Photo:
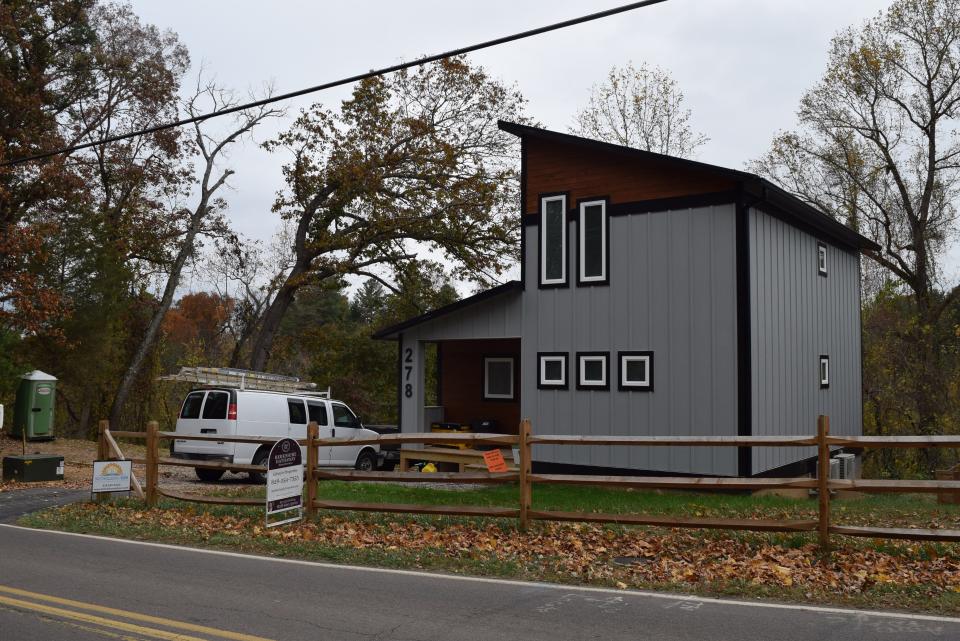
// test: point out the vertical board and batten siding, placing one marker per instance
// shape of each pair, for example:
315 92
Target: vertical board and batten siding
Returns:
673 291
498 317
797 315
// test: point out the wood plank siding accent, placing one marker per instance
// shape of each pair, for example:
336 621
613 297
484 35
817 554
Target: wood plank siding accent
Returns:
797 315
586 173
461 371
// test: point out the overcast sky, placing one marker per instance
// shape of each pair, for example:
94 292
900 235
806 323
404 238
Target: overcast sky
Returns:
743 64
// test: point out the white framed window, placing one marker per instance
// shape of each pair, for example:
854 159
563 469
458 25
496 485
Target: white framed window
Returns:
821 259
498 378
553 240
824 371
551 370
592 242
593 370
636 371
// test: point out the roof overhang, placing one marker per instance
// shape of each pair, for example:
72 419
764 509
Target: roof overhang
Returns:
393 332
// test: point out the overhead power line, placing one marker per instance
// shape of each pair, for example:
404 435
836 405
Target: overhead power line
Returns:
336 83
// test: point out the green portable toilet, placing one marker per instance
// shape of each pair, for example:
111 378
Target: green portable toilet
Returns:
33 413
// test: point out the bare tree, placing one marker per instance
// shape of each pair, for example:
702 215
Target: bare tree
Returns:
203 218
641 108
877 149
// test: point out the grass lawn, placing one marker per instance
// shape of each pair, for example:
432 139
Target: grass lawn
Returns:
789 567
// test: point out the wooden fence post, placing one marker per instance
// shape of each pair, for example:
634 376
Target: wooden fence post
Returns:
526 489
313 430
152 467
823 480
103 451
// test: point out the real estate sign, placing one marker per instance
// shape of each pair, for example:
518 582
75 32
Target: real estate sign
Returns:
112 476
284 481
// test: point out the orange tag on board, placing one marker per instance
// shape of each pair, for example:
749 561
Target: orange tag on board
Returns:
494 461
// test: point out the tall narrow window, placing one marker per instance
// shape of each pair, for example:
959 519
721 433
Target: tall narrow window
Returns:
824 372
592 247
821 259
553 240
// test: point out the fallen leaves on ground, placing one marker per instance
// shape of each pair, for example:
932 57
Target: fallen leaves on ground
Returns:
585 552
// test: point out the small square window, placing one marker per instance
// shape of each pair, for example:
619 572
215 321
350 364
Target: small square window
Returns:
821 259
498 378
592 370
552 370
636 371
824 372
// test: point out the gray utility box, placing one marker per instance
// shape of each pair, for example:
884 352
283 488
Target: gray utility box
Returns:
33 467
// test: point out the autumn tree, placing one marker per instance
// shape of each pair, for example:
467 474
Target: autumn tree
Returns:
876 148
641 108
45 56
411 162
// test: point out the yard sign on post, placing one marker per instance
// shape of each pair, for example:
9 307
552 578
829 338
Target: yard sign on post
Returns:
111 476
284 481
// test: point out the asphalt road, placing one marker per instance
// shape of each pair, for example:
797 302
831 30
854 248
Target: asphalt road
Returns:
59 586
15 504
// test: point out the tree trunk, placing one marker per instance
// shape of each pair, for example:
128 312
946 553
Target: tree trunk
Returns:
260 353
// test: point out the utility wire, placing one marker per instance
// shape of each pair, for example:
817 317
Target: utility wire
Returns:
336 83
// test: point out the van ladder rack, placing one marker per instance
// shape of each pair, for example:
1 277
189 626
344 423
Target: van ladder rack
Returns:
244 379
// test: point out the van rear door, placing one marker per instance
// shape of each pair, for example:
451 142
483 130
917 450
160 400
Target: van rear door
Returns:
205 413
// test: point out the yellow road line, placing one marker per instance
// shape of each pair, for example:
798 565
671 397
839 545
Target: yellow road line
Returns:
136 616
90 618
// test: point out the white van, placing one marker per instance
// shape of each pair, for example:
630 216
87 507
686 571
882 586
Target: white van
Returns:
236 412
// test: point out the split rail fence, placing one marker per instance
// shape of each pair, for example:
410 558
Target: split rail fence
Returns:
526 479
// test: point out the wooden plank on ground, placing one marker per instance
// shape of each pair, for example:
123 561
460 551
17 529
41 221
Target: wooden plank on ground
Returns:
677 482
686 441
893 485
755 525
213 500
912 534
447 510
417 477
121 434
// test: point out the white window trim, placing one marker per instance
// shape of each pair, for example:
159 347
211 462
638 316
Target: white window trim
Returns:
581 240
632 358
544 381
543 240
582 359
824 380
486 377
822 258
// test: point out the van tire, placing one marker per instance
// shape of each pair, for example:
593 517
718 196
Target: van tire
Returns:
367 461
260 458
208 475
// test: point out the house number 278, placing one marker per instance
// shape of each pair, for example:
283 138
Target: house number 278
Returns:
408 369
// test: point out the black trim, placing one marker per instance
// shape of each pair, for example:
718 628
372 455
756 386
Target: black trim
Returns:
523 207
822 245
744 356
566 241
635 388
483 379
387 332
794 210
606 378
606 241
653 205
399 382
566 371
823 357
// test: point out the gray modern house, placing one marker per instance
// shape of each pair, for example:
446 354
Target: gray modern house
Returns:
657 296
